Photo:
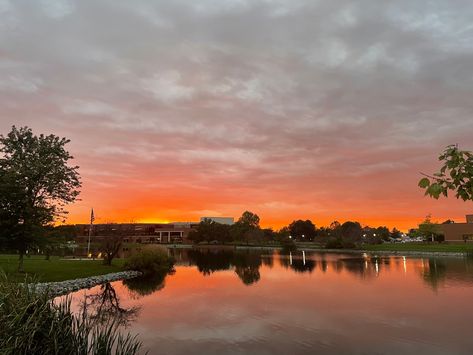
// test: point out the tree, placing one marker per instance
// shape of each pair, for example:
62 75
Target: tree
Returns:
36 183
110 247
249 219
335 229
55 238
456 174
351 232
429 230
208 230
395 233
243 229
283 234
302 230
383 233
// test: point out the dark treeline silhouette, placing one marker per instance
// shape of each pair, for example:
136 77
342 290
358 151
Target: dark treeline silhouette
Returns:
248 231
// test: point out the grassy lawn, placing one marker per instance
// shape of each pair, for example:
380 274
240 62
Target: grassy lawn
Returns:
56 269
427 247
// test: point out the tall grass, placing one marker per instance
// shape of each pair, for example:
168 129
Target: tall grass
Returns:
31 323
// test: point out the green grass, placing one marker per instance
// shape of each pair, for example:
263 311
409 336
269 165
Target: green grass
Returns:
427 247
56 269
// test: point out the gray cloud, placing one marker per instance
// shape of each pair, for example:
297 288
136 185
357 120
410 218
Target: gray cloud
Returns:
306 96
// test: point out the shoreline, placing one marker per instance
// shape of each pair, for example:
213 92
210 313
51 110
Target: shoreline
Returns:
61 288
322 250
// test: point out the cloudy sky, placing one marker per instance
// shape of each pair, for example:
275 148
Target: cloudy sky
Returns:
291 109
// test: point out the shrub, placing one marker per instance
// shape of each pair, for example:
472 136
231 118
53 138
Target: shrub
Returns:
334 243
339 243
347 244
152 259
289 245
32 323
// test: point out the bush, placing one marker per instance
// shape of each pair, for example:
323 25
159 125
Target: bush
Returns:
152 259
32 323
289 245
335 243
339 243
346 244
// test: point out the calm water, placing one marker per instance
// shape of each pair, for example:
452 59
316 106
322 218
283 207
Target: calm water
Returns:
225 302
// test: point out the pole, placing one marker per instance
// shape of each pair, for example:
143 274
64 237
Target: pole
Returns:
88 242
92 218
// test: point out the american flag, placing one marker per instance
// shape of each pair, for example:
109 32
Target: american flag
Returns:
92 217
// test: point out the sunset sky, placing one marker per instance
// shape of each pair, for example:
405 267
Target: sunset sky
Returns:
321 110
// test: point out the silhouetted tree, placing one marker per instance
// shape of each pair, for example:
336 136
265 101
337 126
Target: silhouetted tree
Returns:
395 233
243 229
110 246
36 183
351 232
249 219
383 233
209 230
302 230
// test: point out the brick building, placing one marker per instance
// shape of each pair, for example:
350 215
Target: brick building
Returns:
144 233
458 232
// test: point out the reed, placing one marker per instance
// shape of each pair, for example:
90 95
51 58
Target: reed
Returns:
32 323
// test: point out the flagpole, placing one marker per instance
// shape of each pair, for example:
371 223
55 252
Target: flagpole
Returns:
90 230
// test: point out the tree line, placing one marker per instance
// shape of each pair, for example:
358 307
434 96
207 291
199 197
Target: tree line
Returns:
38 181
247 230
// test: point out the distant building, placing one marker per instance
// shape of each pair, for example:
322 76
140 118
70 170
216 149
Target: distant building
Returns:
145 233
458 232
222 220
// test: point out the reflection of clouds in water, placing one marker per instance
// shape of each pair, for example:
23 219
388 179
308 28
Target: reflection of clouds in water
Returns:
291 312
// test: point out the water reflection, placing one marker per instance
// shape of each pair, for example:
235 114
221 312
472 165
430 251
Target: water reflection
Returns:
104 306
313 303
247 266
146 285
247 263
210 261
297 261
438 272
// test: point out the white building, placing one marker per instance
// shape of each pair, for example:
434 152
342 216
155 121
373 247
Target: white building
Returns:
221 220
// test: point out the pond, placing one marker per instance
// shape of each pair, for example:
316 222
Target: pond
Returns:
270 302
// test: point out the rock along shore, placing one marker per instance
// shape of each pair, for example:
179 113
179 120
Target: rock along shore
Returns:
64 287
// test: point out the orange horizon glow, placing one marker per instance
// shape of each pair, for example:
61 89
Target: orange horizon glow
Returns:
79 216
175 112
